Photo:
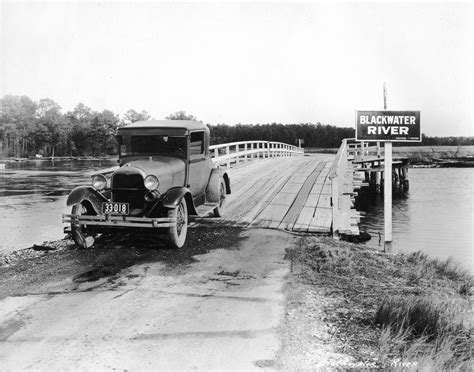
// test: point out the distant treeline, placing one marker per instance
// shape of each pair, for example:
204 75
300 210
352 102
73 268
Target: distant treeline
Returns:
28 128
312 135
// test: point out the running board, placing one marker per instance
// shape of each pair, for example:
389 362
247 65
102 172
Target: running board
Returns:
205 210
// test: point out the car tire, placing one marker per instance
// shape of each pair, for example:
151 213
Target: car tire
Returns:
78 231
218 211
177 233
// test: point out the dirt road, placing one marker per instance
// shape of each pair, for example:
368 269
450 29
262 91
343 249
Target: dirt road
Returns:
220 309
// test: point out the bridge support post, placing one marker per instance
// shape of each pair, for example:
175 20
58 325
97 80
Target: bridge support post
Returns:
377 181
245 149
227 152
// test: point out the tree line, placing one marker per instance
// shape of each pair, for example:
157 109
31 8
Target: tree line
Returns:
28 128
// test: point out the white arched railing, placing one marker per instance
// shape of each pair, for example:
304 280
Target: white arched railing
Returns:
235 152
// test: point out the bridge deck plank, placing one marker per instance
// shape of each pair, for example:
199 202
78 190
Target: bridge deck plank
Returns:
291 218
291 193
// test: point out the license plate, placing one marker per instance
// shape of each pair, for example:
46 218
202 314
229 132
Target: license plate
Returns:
115 208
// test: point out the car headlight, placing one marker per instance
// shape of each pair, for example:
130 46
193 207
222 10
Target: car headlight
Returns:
151 183
99 182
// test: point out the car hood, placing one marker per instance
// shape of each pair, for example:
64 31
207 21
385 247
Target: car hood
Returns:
170 171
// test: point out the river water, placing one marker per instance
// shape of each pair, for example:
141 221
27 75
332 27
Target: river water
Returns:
435 216
33 197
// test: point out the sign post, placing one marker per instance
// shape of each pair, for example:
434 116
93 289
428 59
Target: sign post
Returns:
388 126
387 198
387 188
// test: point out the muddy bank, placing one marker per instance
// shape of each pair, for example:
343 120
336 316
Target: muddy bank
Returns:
40 268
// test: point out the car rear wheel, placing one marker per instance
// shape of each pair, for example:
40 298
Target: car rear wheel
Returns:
218 211
177 233
79 231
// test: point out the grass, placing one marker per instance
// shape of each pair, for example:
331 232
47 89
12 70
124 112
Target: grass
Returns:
437 332
392 310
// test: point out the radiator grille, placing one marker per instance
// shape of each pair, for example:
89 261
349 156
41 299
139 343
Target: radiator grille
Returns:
129 188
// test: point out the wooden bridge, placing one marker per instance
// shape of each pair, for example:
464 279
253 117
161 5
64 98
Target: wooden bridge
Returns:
287 189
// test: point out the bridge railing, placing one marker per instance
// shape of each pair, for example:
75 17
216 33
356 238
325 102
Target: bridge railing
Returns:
337 175
235 152
359 149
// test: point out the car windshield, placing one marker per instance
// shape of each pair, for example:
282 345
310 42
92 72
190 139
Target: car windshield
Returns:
155 144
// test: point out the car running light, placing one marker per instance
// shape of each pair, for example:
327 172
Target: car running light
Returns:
99 182
151 183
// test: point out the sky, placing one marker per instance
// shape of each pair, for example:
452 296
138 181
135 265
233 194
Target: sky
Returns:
285 62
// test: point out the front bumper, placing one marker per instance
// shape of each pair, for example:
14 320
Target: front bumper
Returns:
119 221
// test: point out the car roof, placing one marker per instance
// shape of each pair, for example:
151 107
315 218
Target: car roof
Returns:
175 124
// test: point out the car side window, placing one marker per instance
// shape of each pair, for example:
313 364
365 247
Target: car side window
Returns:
197 143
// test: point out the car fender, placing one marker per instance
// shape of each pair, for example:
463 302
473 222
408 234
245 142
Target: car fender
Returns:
213 186
173 197
81 193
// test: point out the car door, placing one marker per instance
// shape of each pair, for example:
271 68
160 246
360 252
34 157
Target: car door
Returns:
198 173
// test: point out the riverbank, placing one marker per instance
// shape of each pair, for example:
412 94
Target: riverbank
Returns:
424 156
345 304
385 311
59 158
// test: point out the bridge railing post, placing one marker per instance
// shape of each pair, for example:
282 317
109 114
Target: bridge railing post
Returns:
227 152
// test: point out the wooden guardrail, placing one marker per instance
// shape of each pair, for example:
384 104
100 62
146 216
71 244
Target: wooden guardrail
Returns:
343 185
359 149
235 152
336 175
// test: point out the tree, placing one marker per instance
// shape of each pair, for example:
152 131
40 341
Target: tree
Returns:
17 118
180 115
79 122
46 106
51 131
102 134
132 116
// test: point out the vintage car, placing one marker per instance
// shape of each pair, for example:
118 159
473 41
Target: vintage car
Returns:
165 174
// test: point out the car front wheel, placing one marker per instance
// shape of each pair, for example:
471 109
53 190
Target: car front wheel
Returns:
79 231
177 233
